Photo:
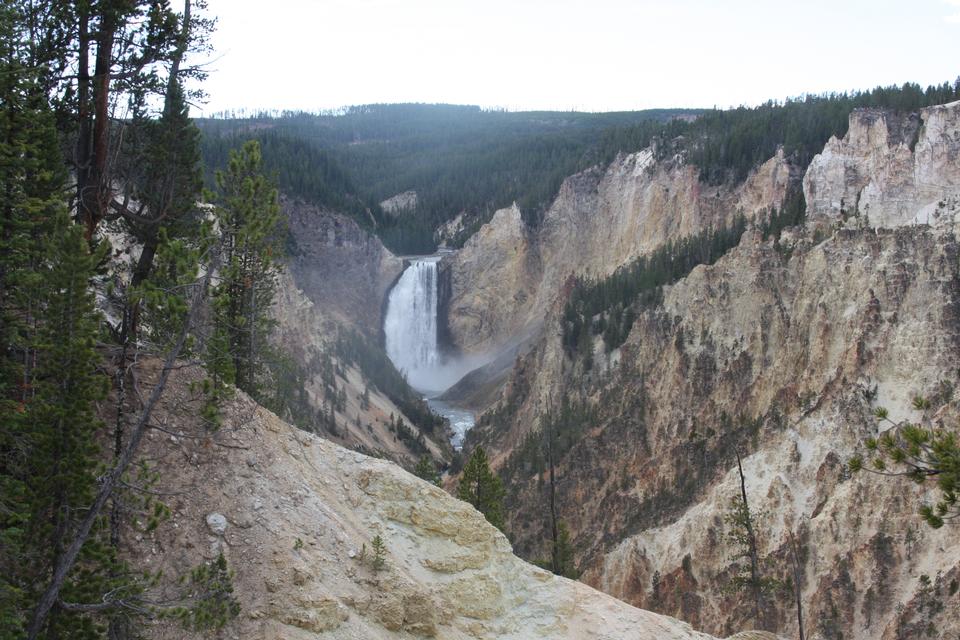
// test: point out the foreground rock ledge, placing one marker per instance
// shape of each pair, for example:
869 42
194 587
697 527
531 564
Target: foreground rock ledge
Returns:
302 513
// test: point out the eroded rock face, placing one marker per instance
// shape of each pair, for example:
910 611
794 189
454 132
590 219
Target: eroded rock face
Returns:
339 266
785 361
492 282
890 169
507 276
406 201
312 505
782 354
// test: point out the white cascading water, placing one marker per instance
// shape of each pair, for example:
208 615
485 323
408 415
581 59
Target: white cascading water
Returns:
410 330
410 326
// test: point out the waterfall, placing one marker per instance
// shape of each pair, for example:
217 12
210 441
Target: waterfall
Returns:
410 326
410 330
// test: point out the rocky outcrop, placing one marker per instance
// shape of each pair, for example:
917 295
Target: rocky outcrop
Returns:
492 280
339 266
890 169
450 229
296 519
507 276
406 201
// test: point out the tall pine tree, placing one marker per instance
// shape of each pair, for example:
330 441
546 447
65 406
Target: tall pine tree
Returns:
248 217
48 366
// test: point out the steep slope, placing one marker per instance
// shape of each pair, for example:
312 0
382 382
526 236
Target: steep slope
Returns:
781 350
506 276
295 515
339 266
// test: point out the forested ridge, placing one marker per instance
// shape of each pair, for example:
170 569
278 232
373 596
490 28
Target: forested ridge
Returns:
457 159
727 144
462 159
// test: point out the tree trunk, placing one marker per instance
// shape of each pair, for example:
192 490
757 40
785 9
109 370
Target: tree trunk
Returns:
797 584
752 544
98 191
82 153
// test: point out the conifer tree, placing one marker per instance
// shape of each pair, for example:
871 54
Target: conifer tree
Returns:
482 488
248 216
920 452
62 424
48 377
562 554
742 534
427 470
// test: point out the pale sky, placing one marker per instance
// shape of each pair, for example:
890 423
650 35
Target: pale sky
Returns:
596 55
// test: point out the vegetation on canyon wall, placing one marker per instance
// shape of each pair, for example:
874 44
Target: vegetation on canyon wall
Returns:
608 306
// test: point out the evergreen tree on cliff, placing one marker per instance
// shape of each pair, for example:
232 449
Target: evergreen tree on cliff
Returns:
427 470
48 366
482 488
248 216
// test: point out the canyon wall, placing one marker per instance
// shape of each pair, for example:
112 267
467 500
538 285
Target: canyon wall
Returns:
781 352
507 276
339 266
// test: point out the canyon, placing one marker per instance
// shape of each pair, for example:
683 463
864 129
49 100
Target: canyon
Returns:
780 352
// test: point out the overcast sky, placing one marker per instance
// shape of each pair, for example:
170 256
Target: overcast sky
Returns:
594 55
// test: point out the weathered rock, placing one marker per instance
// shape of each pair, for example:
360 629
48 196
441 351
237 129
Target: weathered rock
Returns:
333 499
406 201
890 169
316 614
217 523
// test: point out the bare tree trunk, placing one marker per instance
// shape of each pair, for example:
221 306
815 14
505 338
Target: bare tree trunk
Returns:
555 552
109 482
752 545
797 584
98 192
82 153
